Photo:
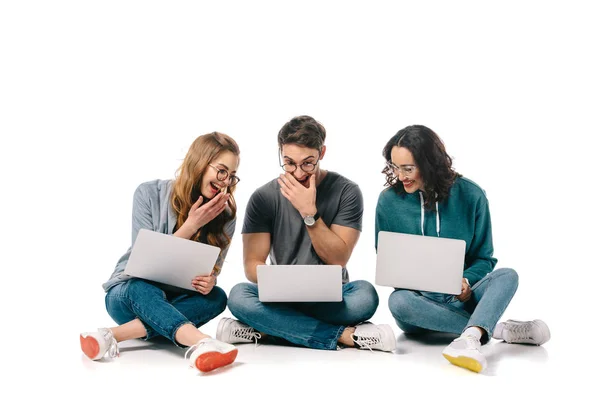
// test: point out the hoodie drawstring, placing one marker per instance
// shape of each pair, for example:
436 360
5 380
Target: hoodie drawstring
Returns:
437 216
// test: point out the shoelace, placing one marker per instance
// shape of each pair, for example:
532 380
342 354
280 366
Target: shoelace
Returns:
247 333
520 331
113 348
366 342
472 341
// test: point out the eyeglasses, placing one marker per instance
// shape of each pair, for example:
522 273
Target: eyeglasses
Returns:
223 174
404 170
305 166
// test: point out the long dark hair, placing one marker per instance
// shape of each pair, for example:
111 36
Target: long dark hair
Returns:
433 163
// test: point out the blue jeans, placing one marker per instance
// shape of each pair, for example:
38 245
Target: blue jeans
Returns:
419 312
162 312
314 325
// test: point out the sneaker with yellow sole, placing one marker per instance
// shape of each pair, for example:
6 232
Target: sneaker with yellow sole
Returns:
465 352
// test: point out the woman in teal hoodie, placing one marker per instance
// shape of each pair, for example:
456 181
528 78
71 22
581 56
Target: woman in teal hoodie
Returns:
427 197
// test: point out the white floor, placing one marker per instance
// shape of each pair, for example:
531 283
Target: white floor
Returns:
416 367
42 322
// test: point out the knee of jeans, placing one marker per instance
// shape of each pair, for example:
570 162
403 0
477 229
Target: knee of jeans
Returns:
509 276
220 298
239 296
360 301
139 288
119 307
401 303
369 299
365 287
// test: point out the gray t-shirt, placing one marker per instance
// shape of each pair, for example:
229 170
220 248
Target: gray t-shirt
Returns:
339 201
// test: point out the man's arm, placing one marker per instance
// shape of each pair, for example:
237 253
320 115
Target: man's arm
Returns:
334 246
256 251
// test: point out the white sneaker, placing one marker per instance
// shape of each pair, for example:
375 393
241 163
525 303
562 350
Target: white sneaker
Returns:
209 354
465 352
231 330
374 337
96 344
527 332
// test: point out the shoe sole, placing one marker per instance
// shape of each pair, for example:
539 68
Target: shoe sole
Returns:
89 346
465 362
212 360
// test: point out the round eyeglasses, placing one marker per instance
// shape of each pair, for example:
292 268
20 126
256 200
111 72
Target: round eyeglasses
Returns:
223 174
306 166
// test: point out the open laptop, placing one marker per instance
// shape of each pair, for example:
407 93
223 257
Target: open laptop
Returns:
170 259
418 262
299 283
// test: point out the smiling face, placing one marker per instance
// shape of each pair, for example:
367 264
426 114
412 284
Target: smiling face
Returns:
304 159
406 169
211 185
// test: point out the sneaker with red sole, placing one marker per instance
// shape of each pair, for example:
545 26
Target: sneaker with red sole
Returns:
209 354
96 344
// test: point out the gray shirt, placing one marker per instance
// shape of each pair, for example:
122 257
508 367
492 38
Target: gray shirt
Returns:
152 210
339 201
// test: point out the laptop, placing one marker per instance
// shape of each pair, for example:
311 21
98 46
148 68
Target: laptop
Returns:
299 283
170 259
423 263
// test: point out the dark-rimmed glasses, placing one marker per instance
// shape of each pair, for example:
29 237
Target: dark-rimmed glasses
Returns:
306 166
223 174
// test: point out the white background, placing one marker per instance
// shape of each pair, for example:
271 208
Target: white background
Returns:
97 97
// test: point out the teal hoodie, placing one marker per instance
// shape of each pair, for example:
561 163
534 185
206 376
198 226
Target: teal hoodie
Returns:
463 215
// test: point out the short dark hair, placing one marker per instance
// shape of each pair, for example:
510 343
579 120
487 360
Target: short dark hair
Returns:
303 131
434 164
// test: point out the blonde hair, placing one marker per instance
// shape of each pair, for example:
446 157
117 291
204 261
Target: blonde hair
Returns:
187 187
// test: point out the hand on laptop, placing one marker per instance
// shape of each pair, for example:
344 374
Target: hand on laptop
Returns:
304 199
204 284
465 293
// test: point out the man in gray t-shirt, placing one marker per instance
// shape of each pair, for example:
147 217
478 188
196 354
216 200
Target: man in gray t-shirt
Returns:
306 216
339 202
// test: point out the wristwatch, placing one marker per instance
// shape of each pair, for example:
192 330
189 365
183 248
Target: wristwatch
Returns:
310 220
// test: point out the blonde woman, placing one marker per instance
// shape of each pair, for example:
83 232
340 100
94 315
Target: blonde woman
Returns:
198 205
